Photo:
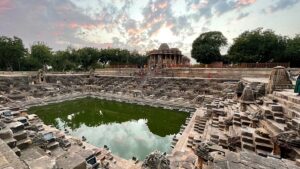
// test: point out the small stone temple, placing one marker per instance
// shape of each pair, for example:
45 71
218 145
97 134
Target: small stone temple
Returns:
166 57
279 79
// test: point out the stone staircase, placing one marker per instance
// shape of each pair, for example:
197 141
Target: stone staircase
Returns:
19 134
7 136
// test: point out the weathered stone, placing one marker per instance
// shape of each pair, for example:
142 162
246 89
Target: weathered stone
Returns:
156 160
279 79
247 96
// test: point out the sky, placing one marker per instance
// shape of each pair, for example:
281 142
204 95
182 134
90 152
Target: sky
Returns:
141 25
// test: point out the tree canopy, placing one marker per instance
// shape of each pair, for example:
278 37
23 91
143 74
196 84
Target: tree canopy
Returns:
258 46
206 48
41 54
14 56
292 52
12 53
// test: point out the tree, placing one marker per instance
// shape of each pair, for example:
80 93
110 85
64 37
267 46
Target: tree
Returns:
41 53
88 57
206 48
62 61
292 52
258 46
12 52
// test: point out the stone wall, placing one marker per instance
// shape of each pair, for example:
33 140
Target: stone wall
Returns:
231 73
8 83
227 73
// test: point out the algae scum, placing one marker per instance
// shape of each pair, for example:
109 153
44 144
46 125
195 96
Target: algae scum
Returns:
127 129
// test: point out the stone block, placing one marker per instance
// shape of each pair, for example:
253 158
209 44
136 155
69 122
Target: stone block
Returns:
71 160
279 120
276 108
5 133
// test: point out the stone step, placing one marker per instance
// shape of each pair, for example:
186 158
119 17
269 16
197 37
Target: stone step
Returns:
246 133
214 136
199 125
22 144
216 141
223 140
20 135
236 119
5 133
265 147
247 139
263 153
279 120
52 145
276 108
262 140
265 110
296 123
248 146
277 114
246 122
17 151
236 123
11 142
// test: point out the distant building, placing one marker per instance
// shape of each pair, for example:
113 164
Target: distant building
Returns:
166 57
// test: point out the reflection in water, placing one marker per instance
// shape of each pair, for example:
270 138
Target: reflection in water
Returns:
127 139
128 129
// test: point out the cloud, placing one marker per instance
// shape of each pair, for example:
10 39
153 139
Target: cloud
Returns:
5 5
134 25
245 2
207 8
242 15
281 5
48 21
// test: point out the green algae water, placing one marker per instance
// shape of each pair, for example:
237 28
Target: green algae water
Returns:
127 129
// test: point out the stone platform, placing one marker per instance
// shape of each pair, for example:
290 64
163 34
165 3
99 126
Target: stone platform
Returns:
255 80
288 95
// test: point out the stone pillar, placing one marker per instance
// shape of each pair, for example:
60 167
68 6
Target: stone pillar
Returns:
173 60
164 59
168 60
158 63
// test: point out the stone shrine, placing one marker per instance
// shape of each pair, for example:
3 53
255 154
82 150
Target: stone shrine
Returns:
166 57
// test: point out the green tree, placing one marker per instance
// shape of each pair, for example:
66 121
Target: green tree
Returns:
292 53
88 57
258 46
12 52
41 53
206 48
63 61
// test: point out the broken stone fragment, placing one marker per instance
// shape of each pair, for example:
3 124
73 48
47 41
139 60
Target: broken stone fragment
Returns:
156 160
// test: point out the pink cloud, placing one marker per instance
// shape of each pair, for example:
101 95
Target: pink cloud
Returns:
74 25
246 2
5 5
200 5
163 5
